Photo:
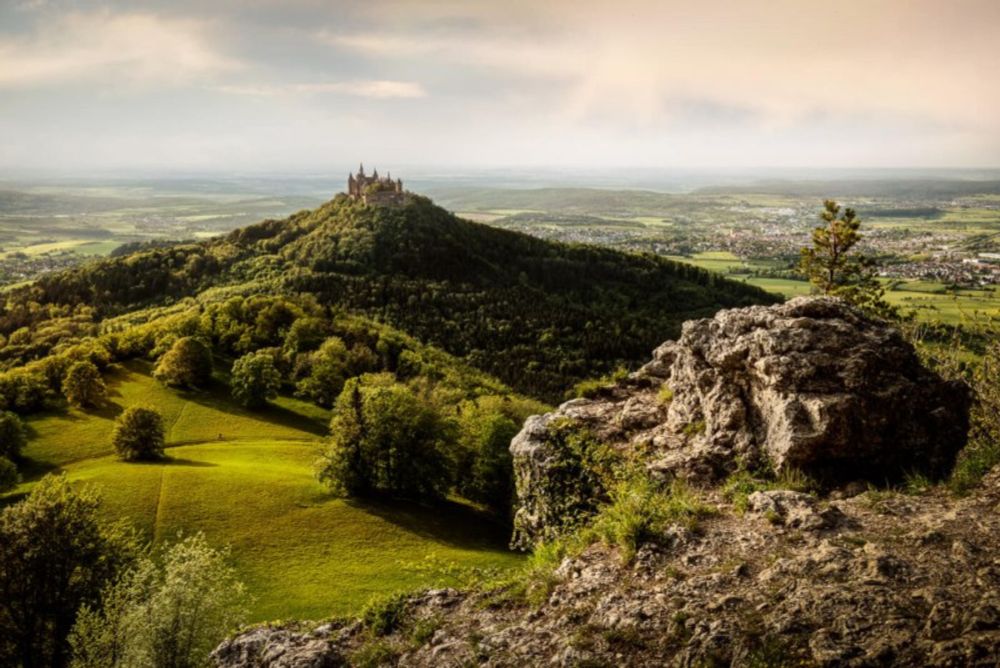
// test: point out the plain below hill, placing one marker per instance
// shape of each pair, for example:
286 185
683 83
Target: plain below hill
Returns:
540 315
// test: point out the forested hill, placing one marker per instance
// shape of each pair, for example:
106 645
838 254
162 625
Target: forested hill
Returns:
539 315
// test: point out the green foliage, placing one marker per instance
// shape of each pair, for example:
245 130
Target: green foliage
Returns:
641 509
485 473
738 487
834 270
12 436
138 434
592 387
55 556
328 371
983 450
83 385
385 440
9 477
255 379
169 612
385 614
188 363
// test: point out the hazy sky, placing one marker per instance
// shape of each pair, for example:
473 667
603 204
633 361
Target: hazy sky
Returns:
299 85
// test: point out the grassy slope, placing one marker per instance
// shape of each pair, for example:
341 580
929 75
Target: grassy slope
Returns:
301 552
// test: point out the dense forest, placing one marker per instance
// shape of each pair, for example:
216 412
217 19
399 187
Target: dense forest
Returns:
539 315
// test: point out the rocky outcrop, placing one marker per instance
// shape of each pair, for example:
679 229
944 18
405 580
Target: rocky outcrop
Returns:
811 385
889 580
779 578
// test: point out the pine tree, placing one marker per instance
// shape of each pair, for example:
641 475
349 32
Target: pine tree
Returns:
832 267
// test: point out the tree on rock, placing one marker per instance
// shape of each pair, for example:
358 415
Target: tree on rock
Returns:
12 436
255 379
83 385
188 363
138 434
832 267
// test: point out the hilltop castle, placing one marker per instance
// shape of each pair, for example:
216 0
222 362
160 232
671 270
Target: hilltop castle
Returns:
375 189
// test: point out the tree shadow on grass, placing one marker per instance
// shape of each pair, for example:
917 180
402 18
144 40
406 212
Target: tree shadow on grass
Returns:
447 522
216 396
181 461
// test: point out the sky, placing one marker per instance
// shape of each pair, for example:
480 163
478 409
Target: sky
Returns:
277 86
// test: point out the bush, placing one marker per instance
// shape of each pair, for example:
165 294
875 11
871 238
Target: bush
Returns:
983 450
83 385
255 379
12 436
641 509
188 363
385 440
138 434
169 612
9 477
55 555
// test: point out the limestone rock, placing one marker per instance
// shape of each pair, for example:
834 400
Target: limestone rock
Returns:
811 384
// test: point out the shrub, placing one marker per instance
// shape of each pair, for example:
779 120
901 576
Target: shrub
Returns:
55 555
138 434
188 363
83 385
385 614
983 450
12 436
384 439
168 612
9 477
641 509
255 379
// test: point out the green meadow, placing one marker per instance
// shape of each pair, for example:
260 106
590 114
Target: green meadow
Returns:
246 480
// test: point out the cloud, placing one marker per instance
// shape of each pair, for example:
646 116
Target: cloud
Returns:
379 89
132 48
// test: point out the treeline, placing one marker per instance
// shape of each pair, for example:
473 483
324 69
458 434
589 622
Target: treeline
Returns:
295 345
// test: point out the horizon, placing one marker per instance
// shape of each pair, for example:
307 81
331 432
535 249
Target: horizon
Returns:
102 88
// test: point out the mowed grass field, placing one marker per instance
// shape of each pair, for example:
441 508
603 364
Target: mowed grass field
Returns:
246 480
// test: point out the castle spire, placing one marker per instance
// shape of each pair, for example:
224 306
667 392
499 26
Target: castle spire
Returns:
361 169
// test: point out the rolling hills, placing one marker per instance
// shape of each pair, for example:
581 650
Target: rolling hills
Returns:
539 315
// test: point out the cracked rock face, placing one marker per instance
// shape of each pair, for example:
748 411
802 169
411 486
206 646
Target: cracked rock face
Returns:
811 384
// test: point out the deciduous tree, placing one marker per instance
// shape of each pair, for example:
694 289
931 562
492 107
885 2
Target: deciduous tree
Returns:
138 434
188 363
83 385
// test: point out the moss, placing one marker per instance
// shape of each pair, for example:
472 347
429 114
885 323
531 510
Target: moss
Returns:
665 395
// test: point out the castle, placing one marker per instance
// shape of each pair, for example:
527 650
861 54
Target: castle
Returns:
375 189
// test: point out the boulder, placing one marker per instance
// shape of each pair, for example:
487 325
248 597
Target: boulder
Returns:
812 384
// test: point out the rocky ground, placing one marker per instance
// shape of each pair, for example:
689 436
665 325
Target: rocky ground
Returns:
877 579
848 576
